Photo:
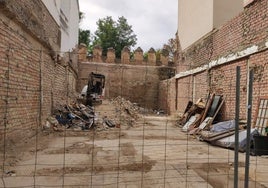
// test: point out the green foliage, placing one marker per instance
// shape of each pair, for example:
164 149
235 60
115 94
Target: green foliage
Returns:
158 54
125 37
84 37
114 34
106 34
145 56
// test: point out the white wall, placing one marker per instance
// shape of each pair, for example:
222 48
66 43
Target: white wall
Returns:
195 20
54 8
199 17
221 8
66 14
70 37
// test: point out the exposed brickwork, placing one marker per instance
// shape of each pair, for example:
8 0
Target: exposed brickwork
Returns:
247 29
200 83
259 63
34 17
184 92
223 82
31 80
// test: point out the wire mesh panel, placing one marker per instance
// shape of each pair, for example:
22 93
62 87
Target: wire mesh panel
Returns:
129 145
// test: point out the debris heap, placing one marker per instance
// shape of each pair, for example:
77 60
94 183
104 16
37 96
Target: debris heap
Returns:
74 115
114 113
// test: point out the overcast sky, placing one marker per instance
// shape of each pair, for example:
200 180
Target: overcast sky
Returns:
153 21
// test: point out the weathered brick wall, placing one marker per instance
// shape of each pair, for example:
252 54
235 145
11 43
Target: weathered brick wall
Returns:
223 82
259 64
136 83
167 96
200 85
31 81
184 92
212 62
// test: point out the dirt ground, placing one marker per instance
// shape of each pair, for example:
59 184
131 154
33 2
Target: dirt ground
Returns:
147 151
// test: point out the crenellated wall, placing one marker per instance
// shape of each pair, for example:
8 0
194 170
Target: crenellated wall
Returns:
138 56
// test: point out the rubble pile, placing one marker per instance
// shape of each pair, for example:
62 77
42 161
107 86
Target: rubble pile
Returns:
133 108
127 113
126 107
74 115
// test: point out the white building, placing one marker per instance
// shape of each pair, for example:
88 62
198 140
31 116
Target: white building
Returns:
66 14
199 17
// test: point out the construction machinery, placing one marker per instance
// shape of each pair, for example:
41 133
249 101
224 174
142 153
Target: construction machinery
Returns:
93 92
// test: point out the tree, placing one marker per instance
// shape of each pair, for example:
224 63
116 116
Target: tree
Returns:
171 48
114 34
106 34
84 35
126 37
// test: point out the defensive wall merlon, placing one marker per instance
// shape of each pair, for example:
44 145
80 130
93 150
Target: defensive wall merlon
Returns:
137 59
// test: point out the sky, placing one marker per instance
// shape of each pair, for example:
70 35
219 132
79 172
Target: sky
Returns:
153 21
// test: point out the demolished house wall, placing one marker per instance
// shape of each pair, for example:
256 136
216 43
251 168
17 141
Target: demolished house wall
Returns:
32 76
243 41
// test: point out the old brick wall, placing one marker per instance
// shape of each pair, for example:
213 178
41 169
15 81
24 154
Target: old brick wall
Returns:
166 96
184 92
138 84
223 82
259 64
210 64
31 81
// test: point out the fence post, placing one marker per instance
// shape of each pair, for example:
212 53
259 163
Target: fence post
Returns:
237 107
249 109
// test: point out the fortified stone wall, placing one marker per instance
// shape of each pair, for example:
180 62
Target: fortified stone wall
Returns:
138 57
135 79
209 66
33 77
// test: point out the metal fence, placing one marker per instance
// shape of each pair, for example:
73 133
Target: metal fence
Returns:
140 147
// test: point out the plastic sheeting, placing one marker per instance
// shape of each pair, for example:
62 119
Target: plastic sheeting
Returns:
229 142
223 126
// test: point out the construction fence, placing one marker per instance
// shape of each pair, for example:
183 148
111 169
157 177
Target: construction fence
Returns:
46 140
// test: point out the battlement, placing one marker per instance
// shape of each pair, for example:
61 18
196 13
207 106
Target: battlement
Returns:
137 59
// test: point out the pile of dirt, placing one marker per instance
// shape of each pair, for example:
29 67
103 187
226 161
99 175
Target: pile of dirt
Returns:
127 113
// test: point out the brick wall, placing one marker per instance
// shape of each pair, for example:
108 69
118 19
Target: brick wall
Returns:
210 64
31 81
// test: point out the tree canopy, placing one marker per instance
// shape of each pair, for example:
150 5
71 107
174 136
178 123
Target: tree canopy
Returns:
84 35
115 34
